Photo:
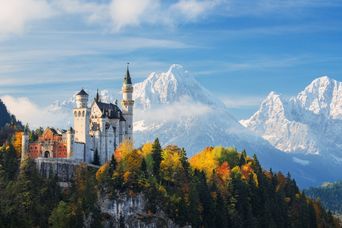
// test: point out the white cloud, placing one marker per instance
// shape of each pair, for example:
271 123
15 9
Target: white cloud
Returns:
262 62
240 102
94 11
301 161
16 14
186 108
28 112
133 12
192 9
120 14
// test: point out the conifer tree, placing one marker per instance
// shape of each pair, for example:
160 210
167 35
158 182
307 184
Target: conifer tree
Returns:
9 162
157 157
112 165
243 158
143 167
96 160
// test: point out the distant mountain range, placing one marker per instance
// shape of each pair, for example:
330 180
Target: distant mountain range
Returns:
330 195
286 134
309 123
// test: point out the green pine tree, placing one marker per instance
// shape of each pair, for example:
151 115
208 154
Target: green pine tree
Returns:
96 160
157 157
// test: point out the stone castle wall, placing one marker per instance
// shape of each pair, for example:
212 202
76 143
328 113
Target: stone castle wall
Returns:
64 168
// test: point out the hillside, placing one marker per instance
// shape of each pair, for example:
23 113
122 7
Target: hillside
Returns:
5 117
151 186
329 194
8 124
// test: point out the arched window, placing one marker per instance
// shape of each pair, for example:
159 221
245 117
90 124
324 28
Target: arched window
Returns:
79 113
75 113
83 114
46 154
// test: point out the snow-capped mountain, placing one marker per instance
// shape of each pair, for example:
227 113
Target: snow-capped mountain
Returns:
309 123
176 108
169 87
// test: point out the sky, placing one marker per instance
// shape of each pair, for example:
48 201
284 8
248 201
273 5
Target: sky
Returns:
239 50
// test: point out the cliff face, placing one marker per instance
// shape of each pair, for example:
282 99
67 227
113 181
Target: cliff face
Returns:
129 210
121 210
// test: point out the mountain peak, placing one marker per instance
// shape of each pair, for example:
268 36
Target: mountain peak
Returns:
272 95
174 68
322 79
169 87
272 99
320 85
322 97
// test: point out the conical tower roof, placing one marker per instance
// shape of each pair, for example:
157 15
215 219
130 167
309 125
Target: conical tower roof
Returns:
127 79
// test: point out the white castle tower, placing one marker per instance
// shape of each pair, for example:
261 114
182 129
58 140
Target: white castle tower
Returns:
127 104
70 141
81 126
24 145
81 117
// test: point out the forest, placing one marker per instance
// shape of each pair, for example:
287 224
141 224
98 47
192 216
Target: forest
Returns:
329 194
218 187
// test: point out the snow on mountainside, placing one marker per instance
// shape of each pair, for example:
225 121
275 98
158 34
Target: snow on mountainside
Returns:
309 123
176 108
171 86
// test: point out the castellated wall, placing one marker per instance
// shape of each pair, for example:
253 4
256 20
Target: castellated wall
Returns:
64 168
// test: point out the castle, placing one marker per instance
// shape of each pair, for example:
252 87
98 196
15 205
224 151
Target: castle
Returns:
97 131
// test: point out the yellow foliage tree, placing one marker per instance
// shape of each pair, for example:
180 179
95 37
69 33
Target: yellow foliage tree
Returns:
124 148
246 170
131 164
101 172
171 165
146 149
17 142
223 172
205 161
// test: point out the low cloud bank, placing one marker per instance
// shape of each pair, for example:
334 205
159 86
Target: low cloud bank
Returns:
29 112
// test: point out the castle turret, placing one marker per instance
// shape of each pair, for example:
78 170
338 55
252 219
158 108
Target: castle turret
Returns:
127 104
24 145
81 99
81 117
70 141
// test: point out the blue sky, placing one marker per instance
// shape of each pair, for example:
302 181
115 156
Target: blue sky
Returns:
239 50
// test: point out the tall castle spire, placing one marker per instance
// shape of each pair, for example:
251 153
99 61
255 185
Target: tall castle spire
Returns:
127 79
127 104
97 98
